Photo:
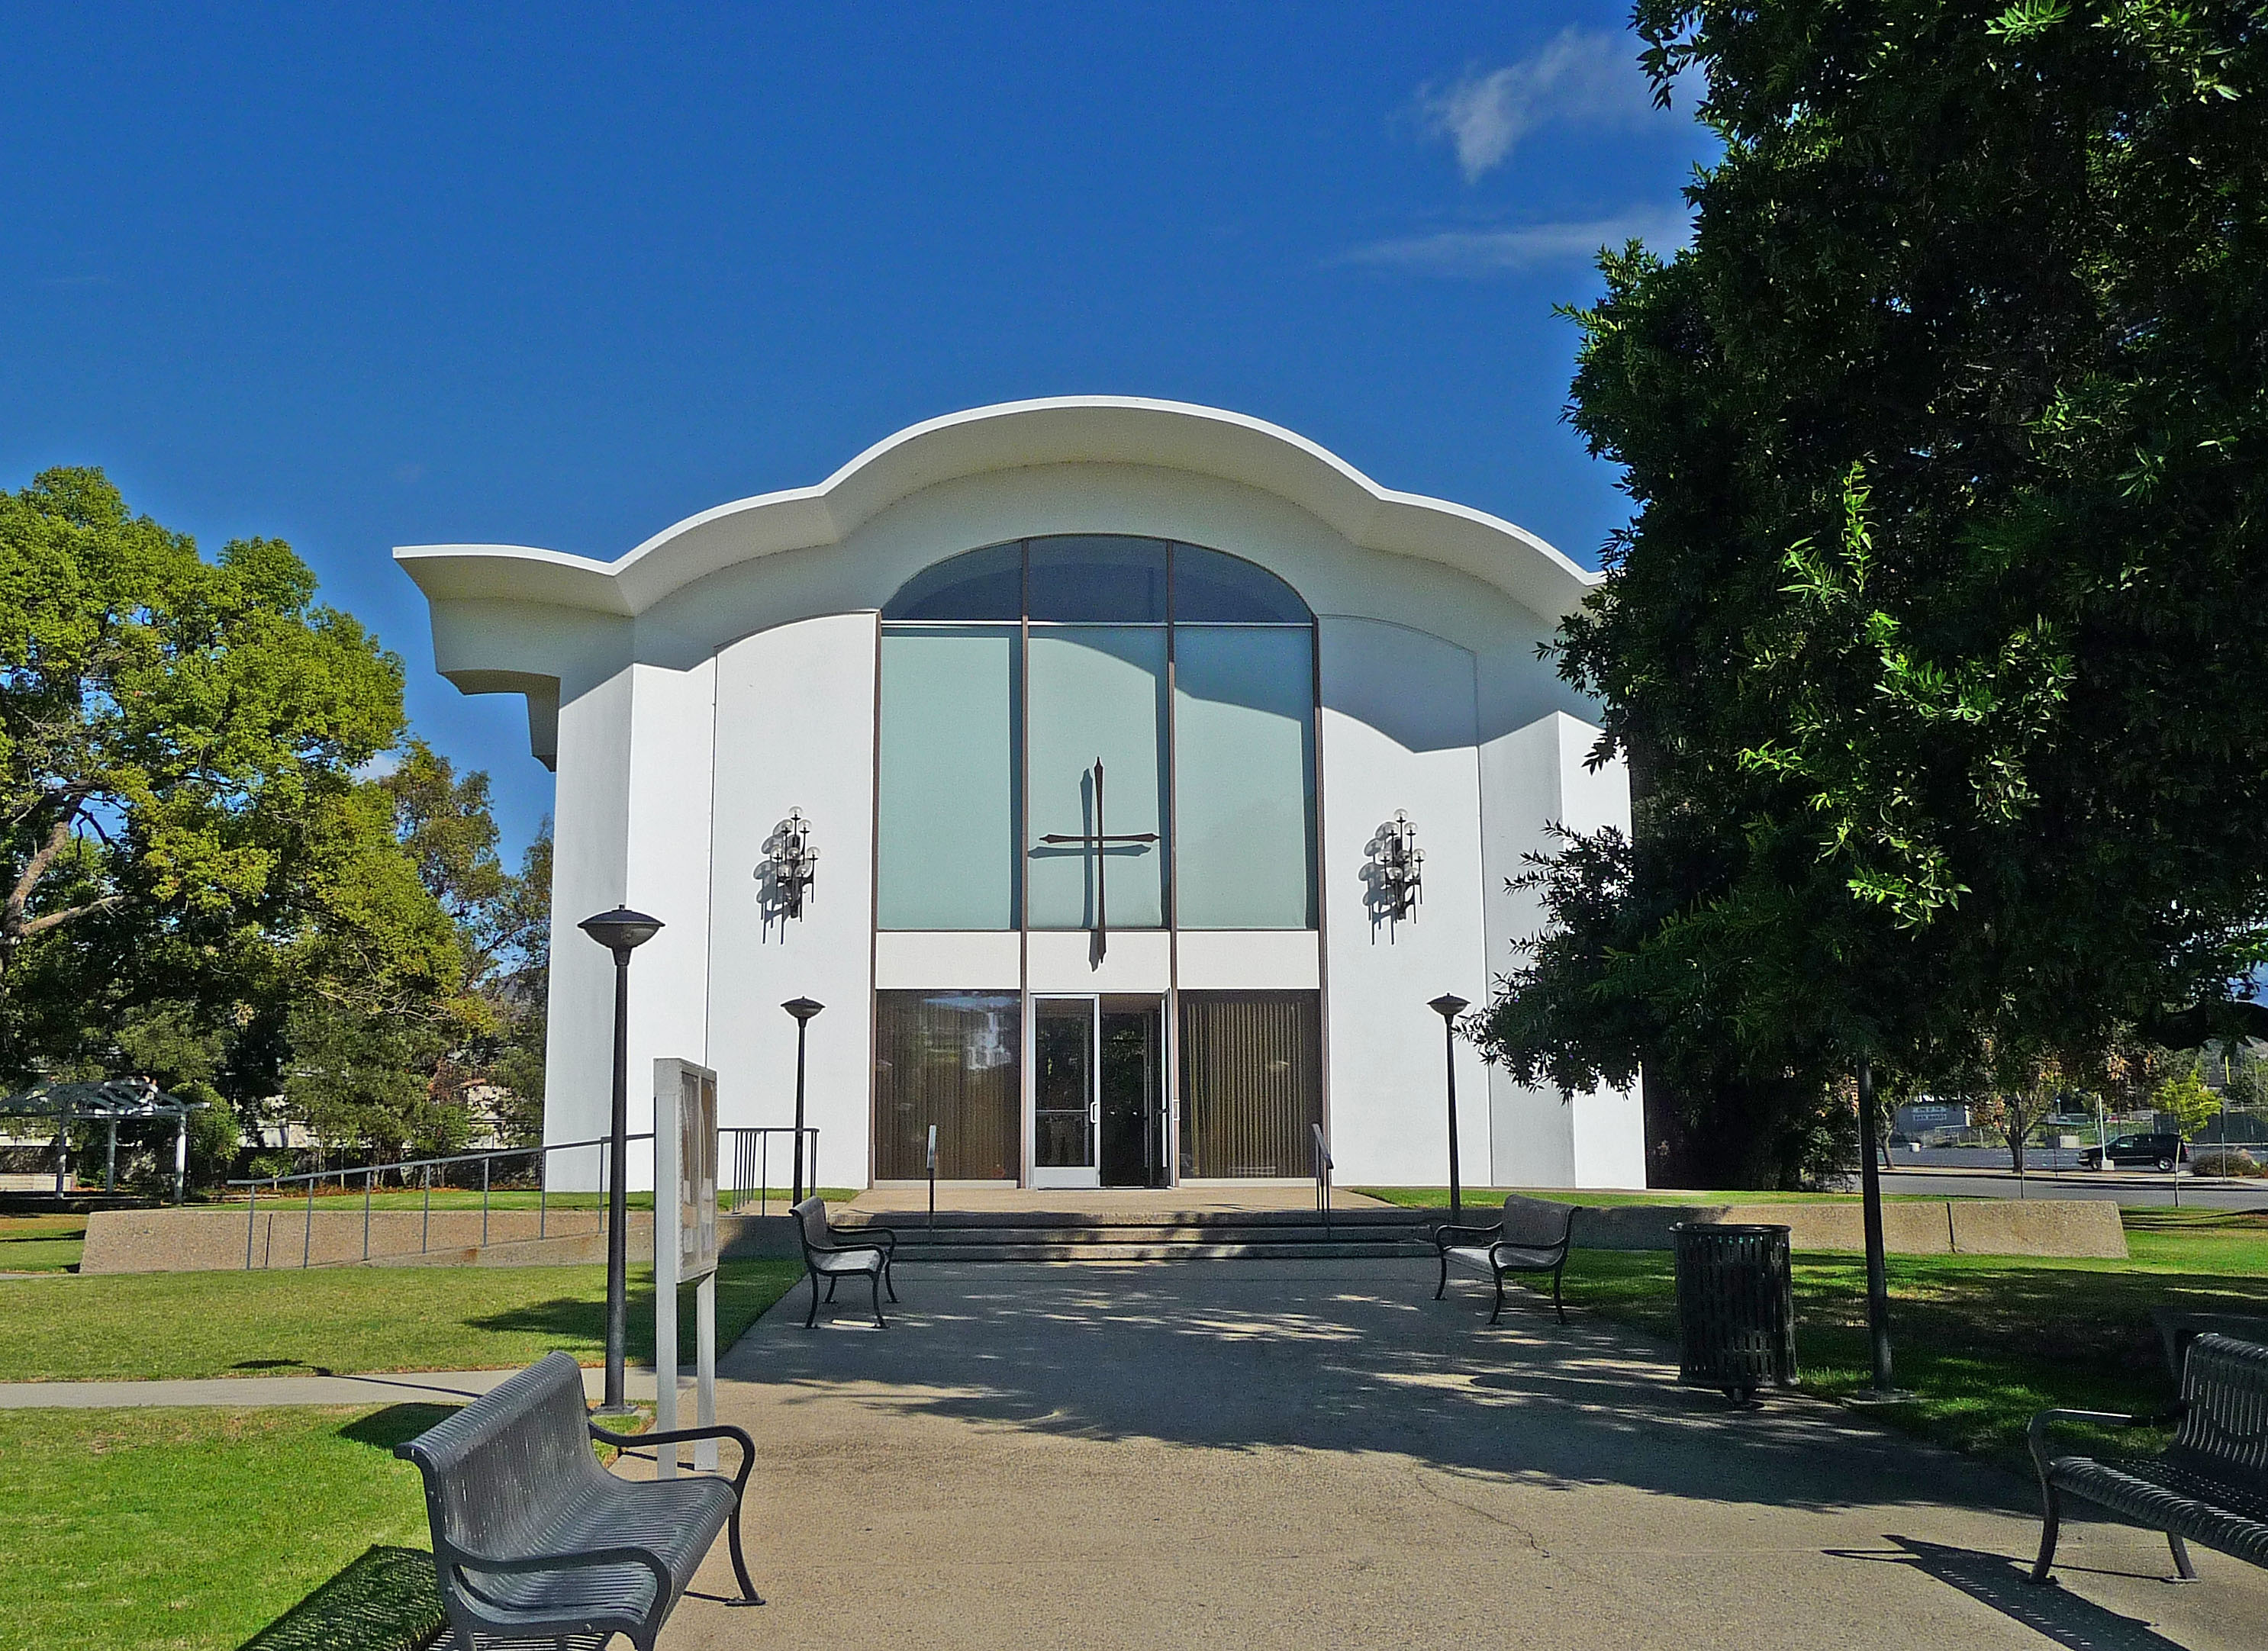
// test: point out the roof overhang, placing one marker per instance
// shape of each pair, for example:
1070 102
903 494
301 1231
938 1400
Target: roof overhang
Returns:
1067 430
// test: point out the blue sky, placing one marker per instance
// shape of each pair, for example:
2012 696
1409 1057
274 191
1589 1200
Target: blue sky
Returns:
562 276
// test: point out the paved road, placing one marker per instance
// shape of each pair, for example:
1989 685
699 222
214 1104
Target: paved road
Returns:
2141 1191
1304 1454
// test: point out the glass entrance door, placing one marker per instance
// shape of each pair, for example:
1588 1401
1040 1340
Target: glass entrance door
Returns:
1066 1105
1132 1082
1099 1091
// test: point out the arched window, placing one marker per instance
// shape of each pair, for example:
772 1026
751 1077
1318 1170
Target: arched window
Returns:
1017 677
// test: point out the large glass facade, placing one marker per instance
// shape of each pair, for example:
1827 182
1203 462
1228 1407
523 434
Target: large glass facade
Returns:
951 1059
945 809
1098 697
1244 741
1188 674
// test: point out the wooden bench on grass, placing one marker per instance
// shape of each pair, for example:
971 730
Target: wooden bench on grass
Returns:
534 1540
1532 1239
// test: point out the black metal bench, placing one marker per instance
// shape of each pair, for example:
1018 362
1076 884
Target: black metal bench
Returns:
1532 1239
2209 1485
534 1540
832 1252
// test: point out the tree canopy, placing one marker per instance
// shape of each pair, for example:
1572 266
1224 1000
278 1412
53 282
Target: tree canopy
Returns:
1932 643
202 882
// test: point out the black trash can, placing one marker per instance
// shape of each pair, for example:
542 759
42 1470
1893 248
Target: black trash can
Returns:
1735 1308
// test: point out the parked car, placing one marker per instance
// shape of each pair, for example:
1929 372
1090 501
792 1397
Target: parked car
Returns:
2158 1152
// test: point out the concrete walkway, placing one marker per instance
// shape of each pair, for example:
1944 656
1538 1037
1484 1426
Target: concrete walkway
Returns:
1299 1454
379 1388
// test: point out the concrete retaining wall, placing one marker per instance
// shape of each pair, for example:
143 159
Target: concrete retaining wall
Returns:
1990 1227
214 1240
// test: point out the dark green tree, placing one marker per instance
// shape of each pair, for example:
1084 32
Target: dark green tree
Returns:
1932 643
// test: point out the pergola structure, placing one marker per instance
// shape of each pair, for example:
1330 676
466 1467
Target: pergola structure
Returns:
112 1101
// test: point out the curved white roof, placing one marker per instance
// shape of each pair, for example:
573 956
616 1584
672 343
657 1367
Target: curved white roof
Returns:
1062 429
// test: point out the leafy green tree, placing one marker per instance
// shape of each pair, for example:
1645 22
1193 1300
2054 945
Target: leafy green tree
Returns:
2188 1101
162 717
1932 643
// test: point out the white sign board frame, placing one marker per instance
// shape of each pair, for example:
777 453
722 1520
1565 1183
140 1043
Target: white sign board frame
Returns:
684 1247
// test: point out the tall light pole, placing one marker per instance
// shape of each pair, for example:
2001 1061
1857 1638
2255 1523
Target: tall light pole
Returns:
1448 1006
803 1008
621 931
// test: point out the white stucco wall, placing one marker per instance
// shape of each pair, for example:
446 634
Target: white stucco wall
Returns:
794 729
632 829
1532 778
1397 734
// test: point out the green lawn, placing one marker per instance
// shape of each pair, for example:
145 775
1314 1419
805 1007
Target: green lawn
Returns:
342 1320
1986 1340
182 1528
40 1243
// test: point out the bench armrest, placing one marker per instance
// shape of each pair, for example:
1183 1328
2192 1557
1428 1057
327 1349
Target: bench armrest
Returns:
1445 1235
685 1436
2036 1434
567 1559
881 1239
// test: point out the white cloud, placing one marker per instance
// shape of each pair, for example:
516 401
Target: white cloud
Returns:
1491 252
1591 78
379 766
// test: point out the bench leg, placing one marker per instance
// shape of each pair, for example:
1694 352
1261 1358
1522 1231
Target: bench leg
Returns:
1558 1306
1497 1312
749 1595
2181 1558
2050 1522
1444 1284
811 1318
880 1321
886 1284
830 1289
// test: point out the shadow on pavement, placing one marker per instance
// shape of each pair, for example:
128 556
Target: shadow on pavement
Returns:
1347 1362
2061 1618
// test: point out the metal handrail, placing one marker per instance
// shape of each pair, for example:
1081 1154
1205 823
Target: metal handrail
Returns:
757 1155
1323 1167
751 1150
370 1172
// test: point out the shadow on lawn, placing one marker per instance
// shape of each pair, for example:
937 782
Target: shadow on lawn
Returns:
385 1600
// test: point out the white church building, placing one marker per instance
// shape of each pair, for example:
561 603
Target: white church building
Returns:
1077 755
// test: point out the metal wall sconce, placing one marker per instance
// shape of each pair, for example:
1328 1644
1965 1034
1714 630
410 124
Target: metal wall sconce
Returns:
794 863
1401 869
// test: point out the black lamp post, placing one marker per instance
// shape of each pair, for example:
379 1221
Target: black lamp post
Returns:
621 931
1448 1006
803 1008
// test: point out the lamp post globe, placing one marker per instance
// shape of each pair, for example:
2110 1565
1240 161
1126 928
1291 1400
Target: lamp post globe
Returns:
1448 1006
803 1008
621 931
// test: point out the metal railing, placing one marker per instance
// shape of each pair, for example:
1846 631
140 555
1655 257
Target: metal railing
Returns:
487 1160
1323 1167
752 1166
748 1154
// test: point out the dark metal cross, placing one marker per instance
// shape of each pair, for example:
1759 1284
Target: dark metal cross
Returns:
1098 842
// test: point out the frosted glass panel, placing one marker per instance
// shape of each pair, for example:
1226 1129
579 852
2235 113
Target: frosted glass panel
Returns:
1097 692
946 826
1244 721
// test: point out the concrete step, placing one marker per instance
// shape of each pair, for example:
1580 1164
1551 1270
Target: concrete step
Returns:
1128 1232
1101 1252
